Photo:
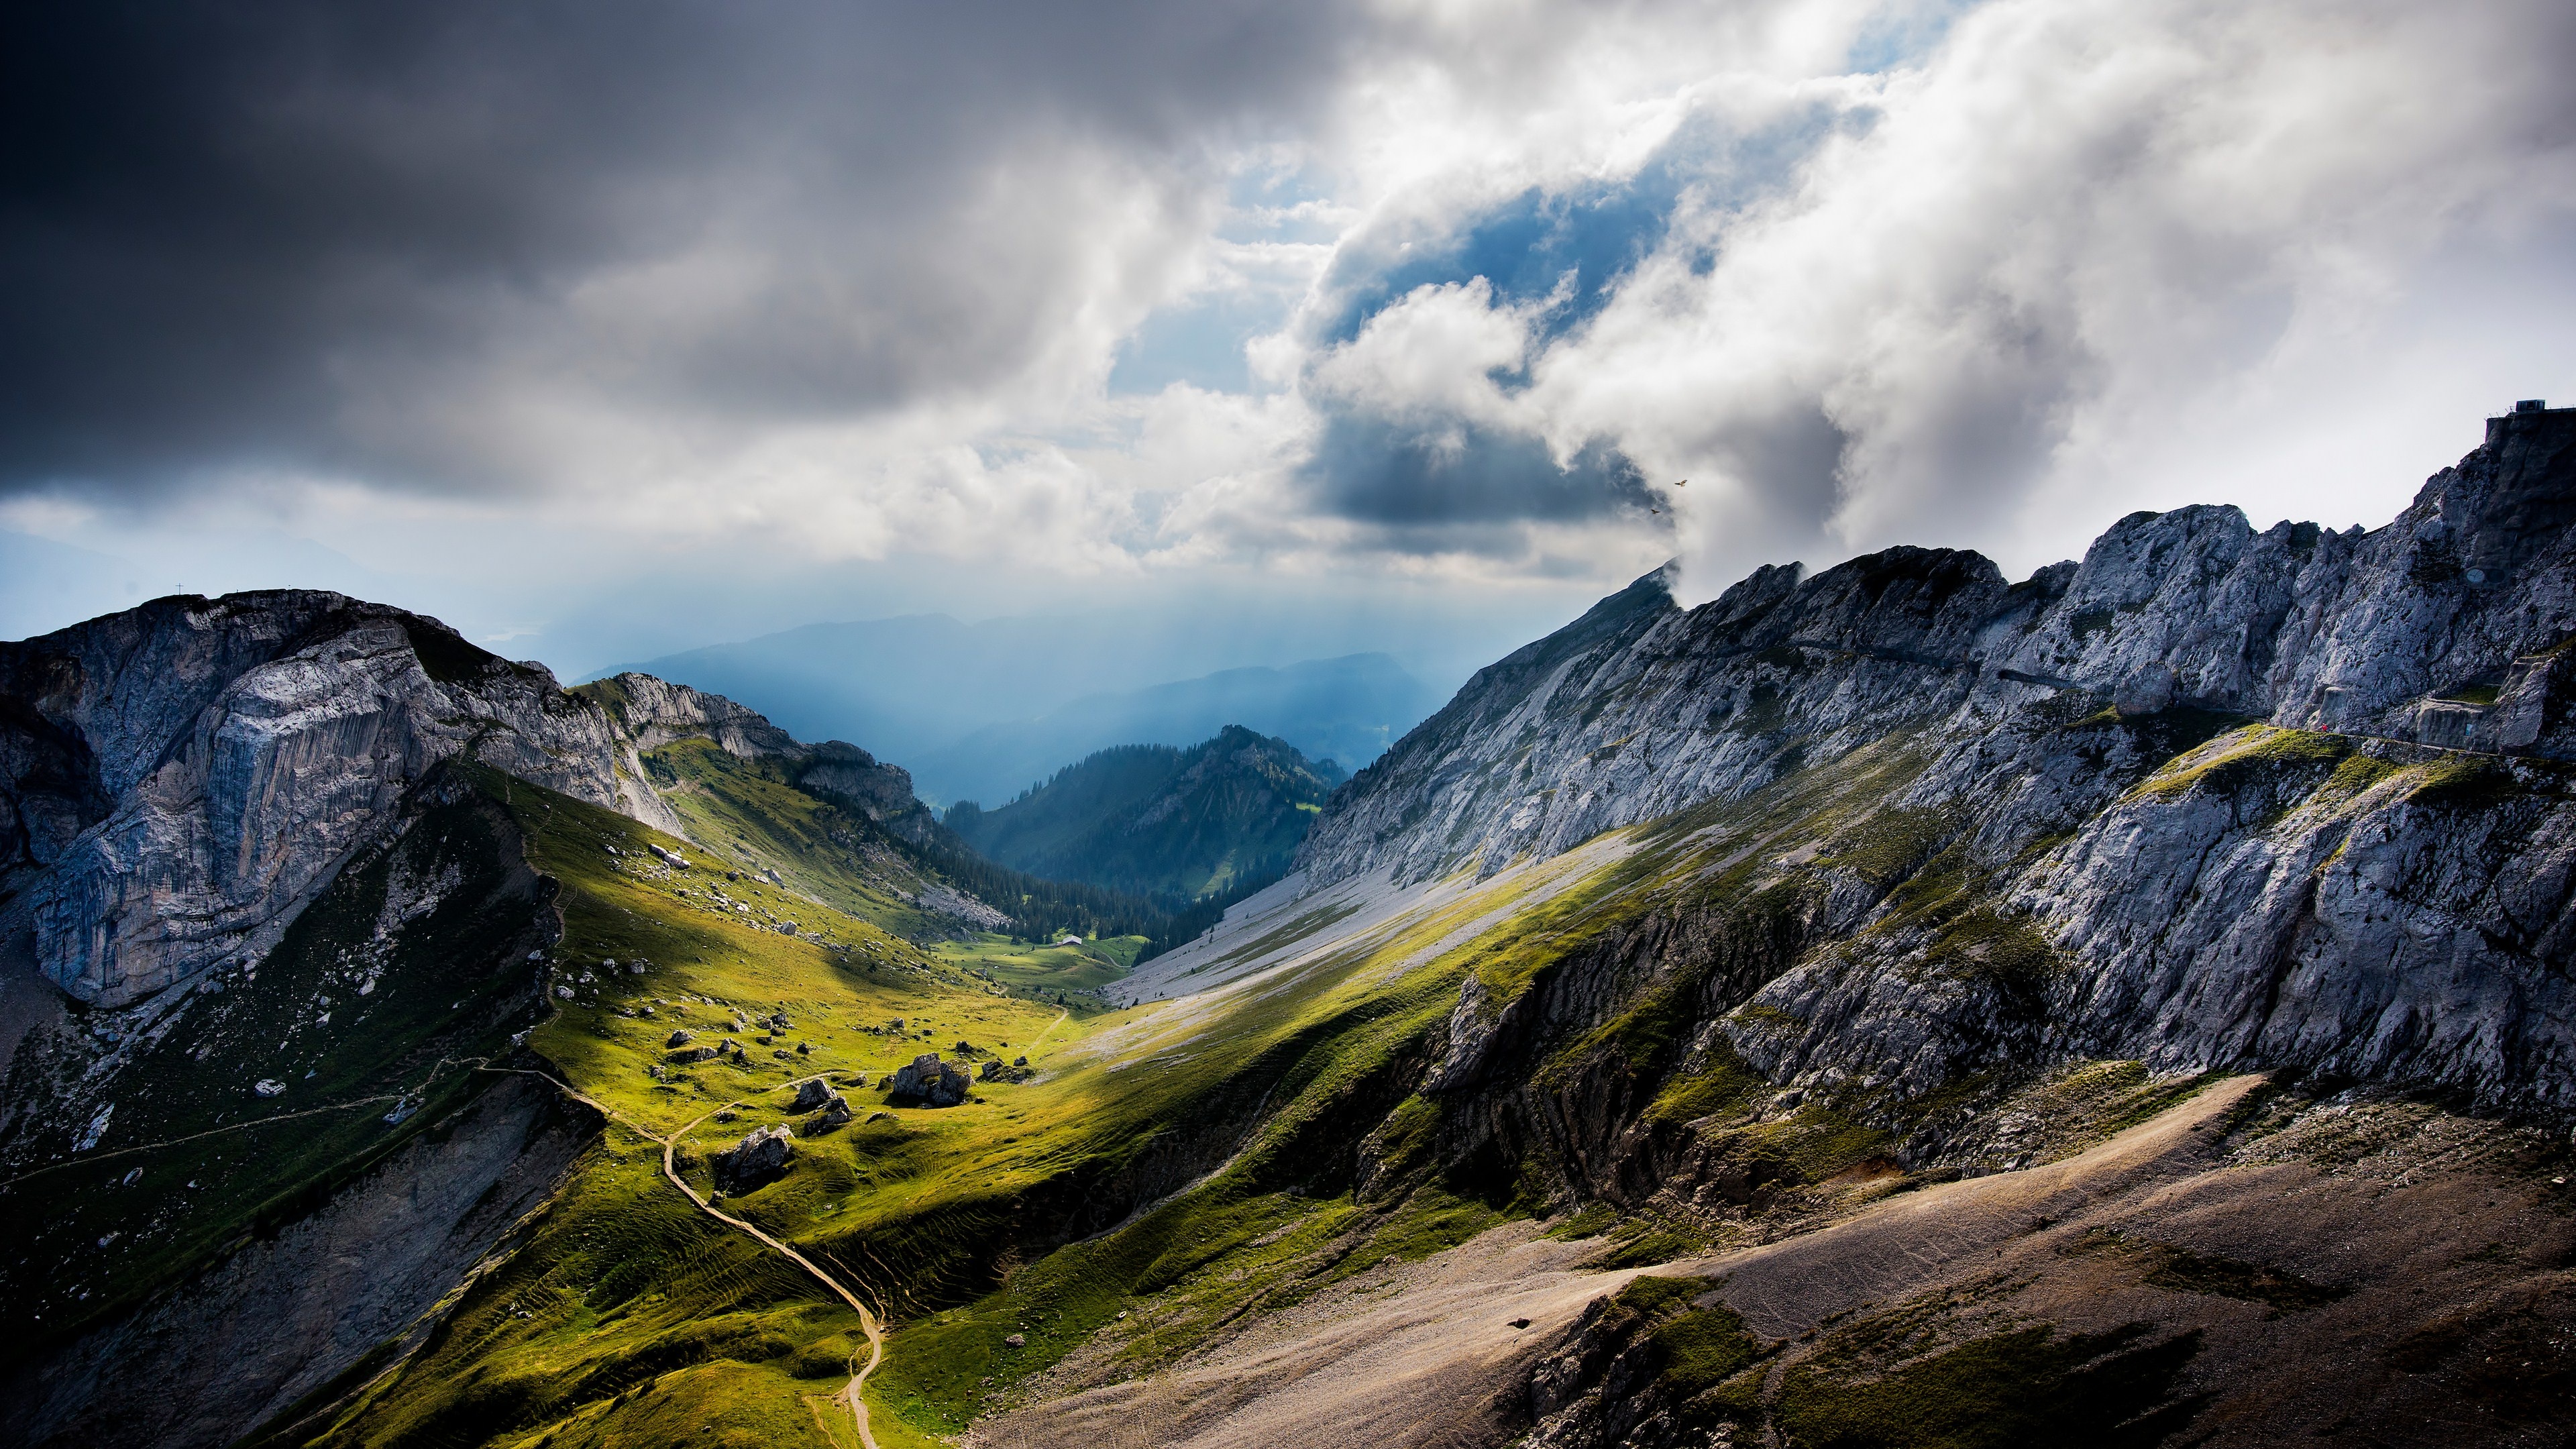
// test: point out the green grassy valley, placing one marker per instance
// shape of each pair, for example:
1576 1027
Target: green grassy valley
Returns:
1171 1169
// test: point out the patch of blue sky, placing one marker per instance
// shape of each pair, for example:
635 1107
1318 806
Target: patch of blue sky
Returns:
1584 238
1902 35
1280 204
1199 342
1525 248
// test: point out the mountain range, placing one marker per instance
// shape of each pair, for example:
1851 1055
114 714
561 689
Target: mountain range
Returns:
982 711
1894 1005
1155 820
1344 712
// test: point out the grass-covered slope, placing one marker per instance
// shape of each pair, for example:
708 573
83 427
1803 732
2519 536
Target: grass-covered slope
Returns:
1531 1046
759 820
1155 820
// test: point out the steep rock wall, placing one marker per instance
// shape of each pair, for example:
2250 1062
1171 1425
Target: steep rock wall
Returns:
2211 797
178 781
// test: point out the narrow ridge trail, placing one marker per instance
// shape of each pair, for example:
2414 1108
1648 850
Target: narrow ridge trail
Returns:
670 1145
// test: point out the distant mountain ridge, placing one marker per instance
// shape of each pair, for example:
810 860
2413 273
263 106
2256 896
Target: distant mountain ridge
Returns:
982 710
1157 820
1348 710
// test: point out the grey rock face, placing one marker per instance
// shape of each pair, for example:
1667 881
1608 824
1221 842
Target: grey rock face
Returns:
846 774
759 1159
1640 709
178 781
930 1082
811 1096
2200 787
227 755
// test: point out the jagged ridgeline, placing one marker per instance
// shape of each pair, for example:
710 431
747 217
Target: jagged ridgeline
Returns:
1220 819
1890 1006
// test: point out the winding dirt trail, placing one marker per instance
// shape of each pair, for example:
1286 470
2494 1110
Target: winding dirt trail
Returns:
670 1147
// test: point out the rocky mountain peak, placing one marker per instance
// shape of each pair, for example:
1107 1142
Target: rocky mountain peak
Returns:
178 780
1640 708
2228 797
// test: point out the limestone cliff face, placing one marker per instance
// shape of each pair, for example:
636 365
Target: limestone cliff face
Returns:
2211 797
177 781
201 768
844 773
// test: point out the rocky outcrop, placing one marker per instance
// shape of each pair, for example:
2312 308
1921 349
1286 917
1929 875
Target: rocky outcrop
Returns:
653 712
929 1082
185 776
759 1159
178 781
2445 627
851 777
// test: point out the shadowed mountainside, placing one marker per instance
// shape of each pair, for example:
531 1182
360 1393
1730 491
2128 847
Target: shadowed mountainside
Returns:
1154 820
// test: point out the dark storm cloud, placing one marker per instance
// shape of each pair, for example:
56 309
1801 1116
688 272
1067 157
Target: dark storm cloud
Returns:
1442 488
255 233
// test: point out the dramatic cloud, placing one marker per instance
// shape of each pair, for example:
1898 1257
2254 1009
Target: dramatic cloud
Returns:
503 247
1427 289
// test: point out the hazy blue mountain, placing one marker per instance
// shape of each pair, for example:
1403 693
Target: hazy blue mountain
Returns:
984 710
1156 820
1346 710
899 685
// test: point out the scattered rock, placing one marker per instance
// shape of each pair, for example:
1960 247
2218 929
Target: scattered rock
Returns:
994 1071
929 1081
810 1095
681 1038
881 1117
758 1159
268 1086
686 1055
1016 1340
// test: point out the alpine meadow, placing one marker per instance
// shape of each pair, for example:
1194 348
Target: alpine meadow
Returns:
1355 727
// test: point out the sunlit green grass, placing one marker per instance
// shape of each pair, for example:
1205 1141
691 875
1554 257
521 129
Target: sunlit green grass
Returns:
1183 1163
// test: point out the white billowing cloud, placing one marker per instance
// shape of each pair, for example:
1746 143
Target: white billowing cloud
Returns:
2074 226
1431 357
2026 265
